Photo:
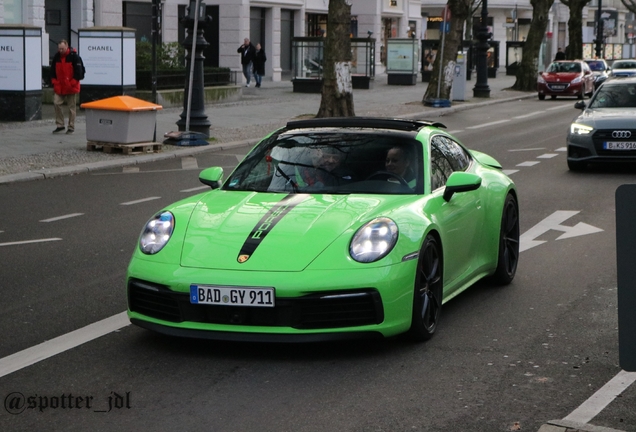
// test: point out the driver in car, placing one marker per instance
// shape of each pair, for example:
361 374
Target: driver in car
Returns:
397 163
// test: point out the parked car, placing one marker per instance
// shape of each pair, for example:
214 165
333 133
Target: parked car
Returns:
566 78
328 229
623 68
605 131
600 70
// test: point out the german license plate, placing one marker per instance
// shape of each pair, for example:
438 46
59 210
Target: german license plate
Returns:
232 296
619 145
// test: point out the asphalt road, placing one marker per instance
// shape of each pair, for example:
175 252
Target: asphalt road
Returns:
504 359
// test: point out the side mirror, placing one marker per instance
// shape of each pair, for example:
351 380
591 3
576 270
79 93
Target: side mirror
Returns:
579 105
587 72
212 177
461 182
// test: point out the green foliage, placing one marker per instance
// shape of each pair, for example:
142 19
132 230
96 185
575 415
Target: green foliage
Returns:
170 56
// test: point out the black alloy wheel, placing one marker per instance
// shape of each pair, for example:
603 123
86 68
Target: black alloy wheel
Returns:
508 257
428 292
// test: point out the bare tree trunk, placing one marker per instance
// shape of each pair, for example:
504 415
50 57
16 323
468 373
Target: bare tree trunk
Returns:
527 72
337 90
575 28
460 10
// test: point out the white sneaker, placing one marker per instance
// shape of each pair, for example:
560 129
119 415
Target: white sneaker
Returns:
247 85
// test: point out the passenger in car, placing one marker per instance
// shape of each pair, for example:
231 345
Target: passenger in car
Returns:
325 170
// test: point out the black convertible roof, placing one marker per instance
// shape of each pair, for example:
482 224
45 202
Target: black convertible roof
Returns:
364 122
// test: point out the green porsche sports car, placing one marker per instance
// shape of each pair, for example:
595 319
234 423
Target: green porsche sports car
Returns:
328 229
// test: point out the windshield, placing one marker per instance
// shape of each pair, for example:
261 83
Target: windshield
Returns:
596 65
567 67
624 65
615 96
331 162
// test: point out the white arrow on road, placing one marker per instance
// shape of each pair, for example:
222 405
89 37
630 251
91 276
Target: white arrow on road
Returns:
553 222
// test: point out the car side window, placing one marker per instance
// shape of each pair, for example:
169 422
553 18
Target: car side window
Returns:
446 156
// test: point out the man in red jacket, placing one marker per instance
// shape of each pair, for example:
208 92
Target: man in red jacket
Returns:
64 71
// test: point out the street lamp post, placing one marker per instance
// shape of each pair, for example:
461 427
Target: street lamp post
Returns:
481 89
193 117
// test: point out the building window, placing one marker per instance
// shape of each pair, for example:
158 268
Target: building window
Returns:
12 11
316 25
138 15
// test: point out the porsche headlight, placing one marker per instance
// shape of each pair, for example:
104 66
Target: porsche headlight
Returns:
579 129
374 240
156 233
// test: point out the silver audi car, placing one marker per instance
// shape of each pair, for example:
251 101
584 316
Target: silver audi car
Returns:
606 129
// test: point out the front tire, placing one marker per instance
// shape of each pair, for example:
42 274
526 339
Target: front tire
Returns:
428 291
508 256
541 96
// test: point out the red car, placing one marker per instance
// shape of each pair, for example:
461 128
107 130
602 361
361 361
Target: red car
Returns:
566 78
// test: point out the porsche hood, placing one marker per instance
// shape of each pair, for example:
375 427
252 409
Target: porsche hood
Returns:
270 232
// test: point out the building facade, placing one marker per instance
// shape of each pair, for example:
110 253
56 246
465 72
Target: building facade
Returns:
273 24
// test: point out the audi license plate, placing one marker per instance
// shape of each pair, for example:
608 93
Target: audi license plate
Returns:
619 145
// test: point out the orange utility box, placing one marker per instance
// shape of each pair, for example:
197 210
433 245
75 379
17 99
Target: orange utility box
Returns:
120 119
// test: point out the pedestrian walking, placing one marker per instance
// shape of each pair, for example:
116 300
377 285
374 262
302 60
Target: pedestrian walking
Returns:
65 74
259 64
560 55
247 51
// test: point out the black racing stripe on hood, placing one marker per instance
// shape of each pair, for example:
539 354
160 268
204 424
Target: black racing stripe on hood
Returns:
267 223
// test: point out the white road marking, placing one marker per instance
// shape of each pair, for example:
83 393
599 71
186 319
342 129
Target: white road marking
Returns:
194 189
30 241
603 396
508 172
553 222
488 124
62 343
528 163
547 156
453 132
188 163
562 149
62 217
130 169
529 114
559 107
528 149
140 201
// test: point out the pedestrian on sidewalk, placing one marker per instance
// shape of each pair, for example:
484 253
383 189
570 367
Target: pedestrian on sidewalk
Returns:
560 55
64 73
247 51
259 64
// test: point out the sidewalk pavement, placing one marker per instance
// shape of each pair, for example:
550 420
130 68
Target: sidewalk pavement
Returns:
30 151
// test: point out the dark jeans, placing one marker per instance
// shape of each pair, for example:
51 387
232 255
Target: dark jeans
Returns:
247 71
258 78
